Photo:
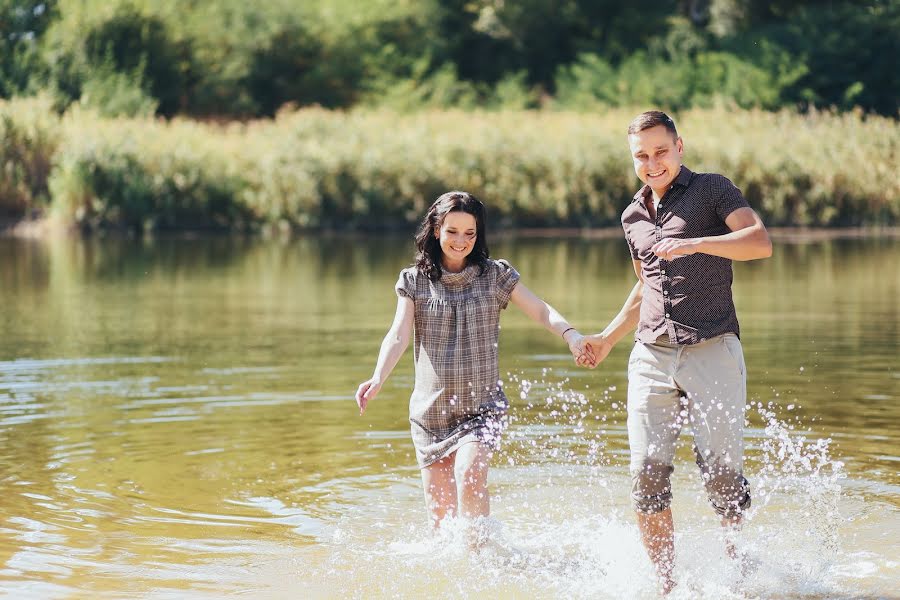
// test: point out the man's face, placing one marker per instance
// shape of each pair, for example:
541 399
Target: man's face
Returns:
657 157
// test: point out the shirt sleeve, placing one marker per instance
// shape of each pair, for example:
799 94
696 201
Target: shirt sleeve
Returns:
507 278
727 197
406 284
631 249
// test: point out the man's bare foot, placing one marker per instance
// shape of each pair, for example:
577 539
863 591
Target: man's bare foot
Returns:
746 564
731 550
666 585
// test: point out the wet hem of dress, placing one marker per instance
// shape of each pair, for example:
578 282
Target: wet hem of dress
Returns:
466 439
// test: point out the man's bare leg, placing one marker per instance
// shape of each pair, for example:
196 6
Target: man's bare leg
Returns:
731 525
658 536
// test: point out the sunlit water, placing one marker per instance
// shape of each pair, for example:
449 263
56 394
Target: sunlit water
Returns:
176 421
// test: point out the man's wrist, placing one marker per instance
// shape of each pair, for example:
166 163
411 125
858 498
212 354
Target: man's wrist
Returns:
607 338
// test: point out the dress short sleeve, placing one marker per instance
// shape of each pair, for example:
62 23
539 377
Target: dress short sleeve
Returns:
406 283
507 278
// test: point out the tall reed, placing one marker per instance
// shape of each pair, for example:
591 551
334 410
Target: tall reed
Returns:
376 169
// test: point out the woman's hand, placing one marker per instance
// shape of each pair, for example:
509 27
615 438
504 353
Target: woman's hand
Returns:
367 391
580 349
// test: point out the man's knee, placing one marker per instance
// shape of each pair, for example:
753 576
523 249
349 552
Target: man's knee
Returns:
651 488
727 489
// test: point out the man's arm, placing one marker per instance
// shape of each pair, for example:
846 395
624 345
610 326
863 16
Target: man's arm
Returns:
624 322
748 240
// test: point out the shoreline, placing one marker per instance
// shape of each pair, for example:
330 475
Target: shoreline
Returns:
49 228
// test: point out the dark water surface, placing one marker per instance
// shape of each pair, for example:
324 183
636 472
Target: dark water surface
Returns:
176 420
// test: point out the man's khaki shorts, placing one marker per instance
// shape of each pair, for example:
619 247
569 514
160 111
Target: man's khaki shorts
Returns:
704 385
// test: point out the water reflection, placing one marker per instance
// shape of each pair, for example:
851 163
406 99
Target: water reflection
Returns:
176 416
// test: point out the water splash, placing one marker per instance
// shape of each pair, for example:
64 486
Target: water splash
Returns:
563 526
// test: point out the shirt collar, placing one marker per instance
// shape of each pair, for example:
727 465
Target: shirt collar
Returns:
683 179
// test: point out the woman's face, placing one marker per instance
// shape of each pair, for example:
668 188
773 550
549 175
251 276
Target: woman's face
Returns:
456 236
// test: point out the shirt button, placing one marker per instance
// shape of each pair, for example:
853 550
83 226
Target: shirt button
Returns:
663 271
667 315
665 292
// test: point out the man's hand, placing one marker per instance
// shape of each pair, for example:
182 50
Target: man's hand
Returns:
599 348
671 248
579 348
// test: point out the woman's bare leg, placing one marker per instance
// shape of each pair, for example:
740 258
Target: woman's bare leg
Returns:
472 463
439 482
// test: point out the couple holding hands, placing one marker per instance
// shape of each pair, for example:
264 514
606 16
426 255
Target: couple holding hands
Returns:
683 230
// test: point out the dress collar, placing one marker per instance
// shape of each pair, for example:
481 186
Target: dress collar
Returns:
464 277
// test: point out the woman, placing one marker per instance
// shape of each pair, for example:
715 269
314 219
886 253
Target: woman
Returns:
452 296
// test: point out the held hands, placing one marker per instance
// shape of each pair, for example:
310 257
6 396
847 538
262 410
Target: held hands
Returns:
671 248
599 347
367 391
580 349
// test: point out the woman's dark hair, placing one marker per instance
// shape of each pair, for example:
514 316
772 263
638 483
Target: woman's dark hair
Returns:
428 248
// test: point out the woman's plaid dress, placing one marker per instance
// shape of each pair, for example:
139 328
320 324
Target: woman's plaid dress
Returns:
458 396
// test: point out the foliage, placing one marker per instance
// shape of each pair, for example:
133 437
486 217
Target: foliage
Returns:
22 25
698 80
377 168
849 56
234 59
133 174
30 133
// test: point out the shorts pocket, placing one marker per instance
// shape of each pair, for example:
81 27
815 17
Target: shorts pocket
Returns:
735 351
637 351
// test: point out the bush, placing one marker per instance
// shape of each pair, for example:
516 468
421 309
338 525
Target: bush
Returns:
698 80
143 175
112 50
31 133
116 94
379 169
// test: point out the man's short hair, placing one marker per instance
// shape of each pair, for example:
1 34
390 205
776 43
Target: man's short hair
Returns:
652 118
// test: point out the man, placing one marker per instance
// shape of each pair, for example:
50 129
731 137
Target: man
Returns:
683 230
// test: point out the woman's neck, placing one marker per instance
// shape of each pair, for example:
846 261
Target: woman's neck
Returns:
452 267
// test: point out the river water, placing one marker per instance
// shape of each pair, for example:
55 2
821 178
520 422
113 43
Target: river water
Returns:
177 421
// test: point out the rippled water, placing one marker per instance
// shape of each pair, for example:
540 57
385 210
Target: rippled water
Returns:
176 421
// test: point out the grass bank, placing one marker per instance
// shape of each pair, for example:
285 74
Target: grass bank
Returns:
374 169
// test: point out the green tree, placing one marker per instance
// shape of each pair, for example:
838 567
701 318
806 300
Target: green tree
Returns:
488 39
139 44
22 23
113 49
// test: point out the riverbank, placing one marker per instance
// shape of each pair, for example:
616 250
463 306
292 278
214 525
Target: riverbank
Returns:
50 228
371 171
